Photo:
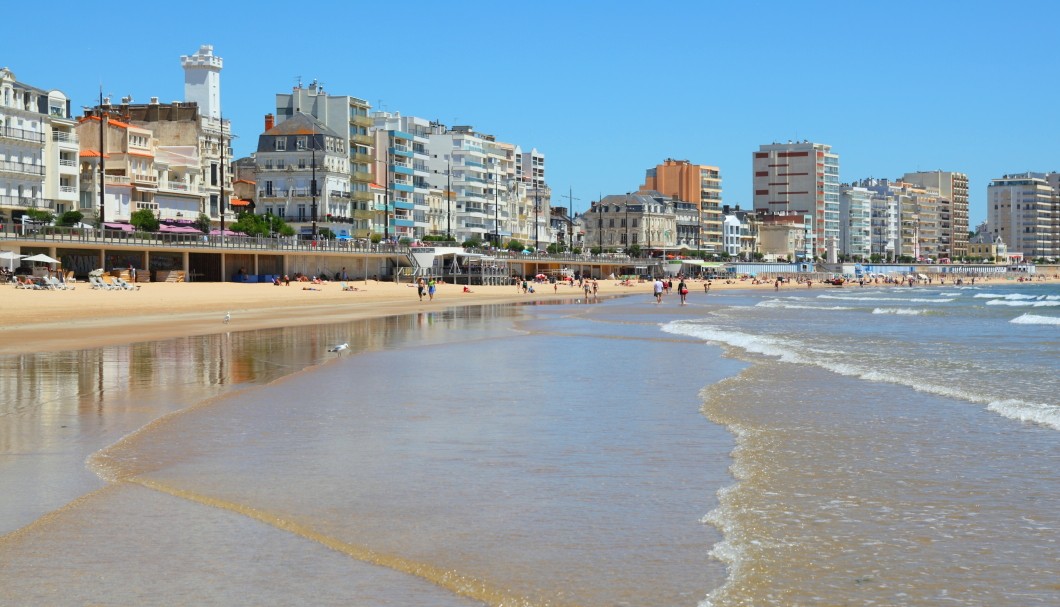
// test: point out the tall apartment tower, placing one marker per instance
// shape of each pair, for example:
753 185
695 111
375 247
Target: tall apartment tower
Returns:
695 183
1024 210
801 177
202 81
953 208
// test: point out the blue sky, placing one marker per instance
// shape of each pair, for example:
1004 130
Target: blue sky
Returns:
609 90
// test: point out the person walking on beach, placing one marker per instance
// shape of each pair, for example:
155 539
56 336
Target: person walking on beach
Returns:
430 289
421 286
658 287
682 289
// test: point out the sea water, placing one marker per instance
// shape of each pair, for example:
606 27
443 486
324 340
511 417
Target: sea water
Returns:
840 446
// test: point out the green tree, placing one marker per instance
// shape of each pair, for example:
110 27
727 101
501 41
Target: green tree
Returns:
326 234
758 255
634 250
554 249
515 245
71 218
144 220
596 250
202 223
472 243
40 216
376 238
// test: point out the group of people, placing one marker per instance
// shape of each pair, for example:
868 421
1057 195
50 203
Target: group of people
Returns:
427 287
661 286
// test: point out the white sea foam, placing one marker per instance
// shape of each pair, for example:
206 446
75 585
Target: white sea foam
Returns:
1024 303
1034 319
791 351
989 296
887 299
899 311
793 306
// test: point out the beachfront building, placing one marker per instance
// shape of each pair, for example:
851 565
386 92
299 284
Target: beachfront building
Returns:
884 227
731 235
130 174
38 150
303 174
697 184
855 225
533 211
350 118
952 211
982 246
916 217
800 177
648 220
402 150
782 235
1023 209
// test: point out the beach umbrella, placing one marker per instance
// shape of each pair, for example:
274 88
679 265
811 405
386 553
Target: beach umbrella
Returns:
541 277
42 257
10 256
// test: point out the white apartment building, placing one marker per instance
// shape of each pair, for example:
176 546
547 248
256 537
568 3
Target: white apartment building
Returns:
303 174
401 167
349 117
855 226
884 226
732 230
800 177
38 150
1023 209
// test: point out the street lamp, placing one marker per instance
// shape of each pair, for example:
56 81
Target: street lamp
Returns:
537 219
102 162
313 179
628 243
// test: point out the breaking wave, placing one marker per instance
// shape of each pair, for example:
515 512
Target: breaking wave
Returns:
1034 319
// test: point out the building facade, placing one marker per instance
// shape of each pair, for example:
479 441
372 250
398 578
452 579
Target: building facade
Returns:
855 225
1024 211
952 210
698 184
38 150
800 177
645 219
402 146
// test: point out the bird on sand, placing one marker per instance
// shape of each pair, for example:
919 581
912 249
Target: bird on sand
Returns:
228 317
339 348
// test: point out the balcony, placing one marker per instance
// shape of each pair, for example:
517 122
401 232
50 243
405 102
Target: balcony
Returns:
25 201
21 135
180 187
362 158
361 176
143 178
362 196
363 139
357 119
21 168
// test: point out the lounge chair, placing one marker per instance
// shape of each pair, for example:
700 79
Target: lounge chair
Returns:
97 283
55 284
347 287
120 282
25 282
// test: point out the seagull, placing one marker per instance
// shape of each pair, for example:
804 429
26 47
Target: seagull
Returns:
228 317
339 348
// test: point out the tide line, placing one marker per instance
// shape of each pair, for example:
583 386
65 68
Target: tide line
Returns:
450 580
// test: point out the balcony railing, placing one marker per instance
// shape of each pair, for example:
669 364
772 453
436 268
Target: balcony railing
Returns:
25 201
64 137
21 134
21 167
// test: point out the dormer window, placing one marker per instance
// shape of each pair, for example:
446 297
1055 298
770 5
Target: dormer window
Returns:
281 144
300 143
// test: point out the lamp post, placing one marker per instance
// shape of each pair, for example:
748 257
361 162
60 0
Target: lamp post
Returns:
496 211
628 243
313 178
386 200
537 219
102 162
221 127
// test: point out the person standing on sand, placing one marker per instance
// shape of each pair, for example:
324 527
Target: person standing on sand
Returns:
682 289
420 287
658 287
430 289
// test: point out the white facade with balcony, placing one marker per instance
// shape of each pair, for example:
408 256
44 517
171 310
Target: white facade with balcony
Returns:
855 225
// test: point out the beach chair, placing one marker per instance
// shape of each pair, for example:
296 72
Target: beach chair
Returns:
97 283
120 282
54 283
347 287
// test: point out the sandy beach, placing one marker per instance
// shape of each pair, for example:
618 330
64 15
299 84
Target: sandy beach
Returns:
40 321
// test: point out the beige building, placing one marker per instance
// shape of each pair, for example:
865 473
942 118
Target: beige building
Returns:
782 236
695 183
952 209
800 177
1024 211
982 246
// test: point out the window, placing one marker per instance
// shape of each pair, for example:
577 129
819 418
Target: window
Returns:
281 144
300 143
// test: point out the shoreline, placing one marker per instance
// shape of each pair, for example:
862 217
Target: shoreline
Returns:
42 321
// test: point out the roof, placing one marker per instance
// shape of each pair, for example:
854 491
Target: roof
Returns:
301 124
239 202
92 154
244 181
110 121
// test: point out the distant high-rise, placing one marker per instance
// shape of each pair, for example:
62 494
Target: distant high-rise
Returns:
802 177
1024 210
953 208
695 183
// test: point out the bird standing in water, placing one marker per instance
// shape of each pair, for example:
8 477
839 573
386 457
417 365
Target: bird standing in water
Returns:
339 348
228 317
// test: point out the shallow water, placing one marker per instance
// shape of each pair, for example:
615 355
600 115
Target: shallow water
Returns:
855 447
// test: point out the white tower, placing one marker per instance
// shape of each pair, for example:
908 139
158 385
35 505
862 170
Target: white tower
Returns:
202 81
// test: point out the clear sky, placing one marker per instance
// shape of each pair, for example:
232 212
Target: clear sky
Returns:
606 90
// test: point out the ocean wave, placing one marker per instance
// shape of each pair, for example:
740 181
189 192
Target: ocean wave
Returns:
790 351
900 311
1034 319
1024 303
886 299
791 306
1017 297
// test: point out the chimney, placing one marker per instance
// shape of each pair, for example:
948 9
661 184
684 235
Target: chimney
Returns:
270 121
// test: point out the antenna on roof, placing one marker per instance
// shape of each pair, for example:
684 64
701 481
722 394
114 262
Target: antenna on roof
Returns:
298 81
